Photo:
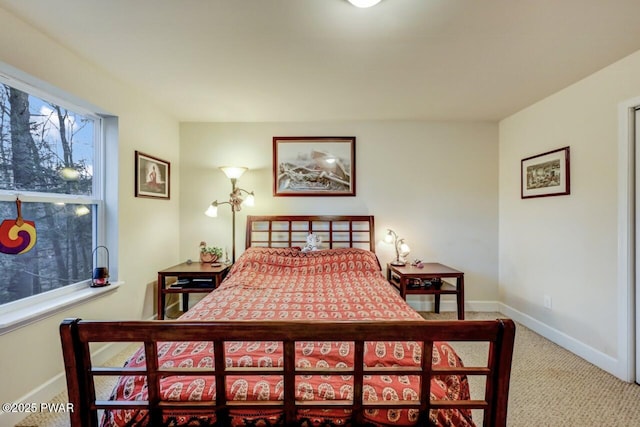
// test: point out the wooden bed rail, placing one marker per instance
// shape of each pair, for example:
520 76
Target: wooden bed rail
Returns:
76 335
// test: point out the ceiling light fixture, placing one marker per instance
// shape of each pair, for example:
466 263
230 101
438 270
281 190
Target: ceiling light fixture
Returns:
364 3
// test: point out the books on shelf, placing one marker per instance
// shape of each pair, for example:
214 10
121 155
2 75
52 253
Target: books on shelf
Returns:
202 283
192 283
424 283
180 283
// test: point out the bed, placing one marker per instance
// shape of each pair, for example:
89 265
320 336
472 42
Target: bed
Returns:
293 338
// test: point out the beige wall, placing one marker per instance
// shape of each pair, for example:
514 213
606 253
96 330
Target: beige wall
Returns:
566 247
436 184
446 187
147 231
433 183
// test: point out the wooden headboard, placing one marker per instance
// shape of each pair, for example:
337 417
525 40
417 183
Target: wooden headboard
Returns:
340 231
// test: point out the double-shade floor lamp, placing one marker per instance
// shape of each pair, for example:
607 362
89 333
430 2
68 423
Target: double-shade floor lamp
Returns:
237 198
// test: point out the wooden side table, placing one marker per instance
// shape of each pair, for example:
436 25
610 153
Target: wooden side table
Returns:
411 280
194 270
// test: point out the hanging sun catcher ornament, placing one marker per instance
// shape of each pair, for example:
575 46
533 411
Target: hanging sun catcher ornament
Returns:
17 236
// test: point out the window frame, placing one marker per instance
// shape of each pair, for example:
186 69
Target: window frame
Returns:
27 310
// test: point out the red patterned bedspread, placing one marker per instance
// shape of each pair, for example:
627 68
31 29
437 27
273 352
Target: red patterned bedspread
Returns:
287 284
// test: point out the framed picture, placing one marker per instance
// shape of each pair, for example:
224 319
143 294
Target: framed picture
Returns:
152 177
545 174
314 166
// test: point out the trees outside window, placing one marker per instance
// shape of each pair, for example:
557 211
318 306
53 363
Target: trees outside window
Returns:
48 159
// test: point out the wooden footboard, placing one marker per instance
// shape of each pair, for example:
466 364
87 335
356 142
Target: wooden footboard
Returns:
76 335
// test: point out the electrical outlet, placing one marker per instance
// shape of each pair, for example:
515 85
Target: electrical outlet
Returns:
547 302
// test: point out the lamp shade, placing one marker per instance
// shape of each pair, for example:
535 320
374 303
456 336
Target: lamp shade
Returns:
233 172
250 200
364 3
212 211
404 249
388 238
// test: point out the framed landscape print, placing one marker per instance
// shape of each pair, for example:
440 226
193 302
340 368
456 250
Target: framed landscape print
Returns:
545 174
314 166
152 176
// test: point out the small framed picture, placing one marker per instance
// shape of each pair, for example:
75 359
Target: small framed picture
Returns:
545 174
152 177
314 166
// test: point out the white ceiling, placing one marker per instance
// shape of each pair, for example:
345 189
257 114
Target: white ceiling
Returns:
299 60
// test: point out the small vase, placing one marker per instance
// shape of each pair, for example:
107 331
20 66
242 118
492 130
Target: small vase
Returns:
204 257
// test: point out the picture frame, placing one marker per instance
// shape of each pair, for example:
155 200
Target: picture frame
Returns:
152 177
546 174
314 166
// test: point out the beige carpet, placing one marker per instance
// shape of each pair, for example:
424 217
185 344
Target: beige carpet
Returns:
549 386
552 387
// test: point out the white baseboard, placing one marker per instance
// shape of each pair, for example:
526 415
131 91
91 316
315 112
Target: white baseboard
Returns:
48 390
603 361
41 394
55 385
590 354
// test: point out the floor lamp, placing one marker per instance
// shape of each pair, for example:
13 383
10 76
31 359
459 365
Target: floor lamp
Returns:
236 202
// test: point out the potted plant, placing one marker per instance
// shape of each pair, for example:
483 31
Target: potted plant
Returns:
209 253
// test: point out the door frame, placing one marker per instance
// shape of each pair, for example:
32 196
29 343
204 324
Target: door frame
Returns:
626 321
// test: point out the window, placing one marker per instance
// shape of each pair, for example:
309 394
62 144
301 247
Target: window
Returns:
50 169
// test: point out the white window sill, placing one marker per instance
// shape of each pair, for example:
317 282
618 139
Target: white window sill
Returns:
24 316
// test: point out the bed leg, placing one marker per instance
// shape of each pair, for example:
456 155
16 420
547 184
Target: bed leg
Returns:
74 366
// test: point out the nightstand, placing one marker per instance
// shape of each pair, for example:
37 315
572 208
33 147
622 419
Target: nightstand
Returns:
428 280
195 277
